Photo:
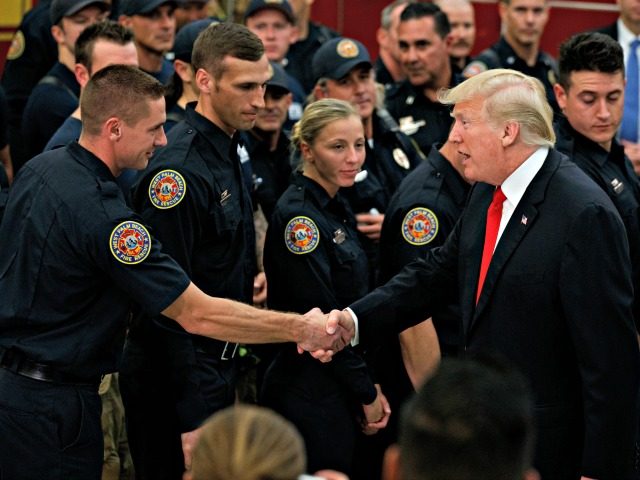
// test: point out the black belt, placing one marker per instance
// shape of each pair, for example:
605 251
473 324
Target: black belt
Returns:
16 362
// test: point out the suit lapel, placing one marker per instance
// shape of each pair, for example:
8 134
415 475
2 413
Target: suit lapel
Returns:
522 220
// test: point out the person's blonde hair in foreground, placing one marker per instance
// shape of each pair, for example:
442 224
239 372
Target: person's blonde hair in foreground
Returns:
246 442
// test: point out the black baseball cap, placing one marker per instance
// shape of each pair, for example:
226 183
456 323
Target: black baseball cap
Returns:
280 5
66 8
186 37
337 57
142 7
279 78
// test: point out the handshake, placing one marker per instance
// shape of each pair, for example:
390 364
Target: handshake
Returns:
326 334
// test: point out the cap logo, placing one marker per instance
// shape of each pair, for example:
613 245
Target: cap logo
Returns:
347 49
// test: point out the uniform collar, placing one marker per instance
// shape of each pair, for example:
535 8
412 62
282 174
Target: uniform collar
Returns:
572 139
90 161
505 50
213 134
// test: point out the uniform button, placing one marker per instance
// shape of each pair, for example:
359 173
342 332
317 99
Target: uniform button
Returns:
438 174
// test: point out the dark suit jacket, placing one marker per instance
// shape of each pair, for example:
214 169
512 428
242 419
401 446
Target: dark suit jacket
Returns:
556 302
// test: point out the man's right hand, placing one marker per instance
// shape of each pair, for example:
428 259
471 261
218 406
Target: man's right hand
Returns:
326 334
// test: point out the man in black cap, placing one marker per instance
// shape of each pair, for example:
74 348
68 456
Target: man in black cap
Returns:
268 145
273 22
154 29
182 88
56 95
189 11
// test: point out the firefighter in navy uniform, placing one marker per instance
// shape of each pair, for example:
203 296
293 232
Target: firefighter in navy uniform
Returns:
591 66
194 196
519 47
313 257
32 53
424 54
343 70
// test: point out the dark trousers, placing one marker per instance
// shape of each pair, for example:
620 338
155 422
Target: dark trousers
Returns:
163 380
48 431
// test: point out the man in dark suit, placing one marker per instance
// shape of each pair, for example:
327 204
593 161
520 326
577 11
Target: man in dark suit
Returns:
625 30
555 295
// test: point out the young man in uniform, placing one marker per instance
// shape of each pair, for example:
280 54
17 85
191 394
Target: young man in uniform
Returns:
590 93
154 29
274 24
523 23
56 95
194 197
76 262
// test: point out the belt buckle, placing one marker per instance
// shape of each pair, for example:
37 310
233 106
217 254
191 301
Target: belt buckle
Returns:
226 349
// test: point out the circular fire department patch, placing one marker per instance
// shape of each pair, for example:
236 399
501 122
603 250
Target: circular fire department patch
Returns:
301 235
130 243
167 189
419 226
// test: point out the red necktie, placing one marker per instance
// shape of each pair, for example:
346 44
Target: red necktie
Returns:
494 214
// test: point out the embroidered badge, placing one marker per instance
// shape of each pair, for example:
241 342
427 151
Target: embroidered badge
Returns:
301 235
420 226
130 242
16 49
474 68
167 189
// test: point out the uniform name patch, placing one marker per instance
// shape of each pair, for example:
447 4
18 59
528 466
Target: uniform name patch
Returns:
130 243
301 235
167 189
419 226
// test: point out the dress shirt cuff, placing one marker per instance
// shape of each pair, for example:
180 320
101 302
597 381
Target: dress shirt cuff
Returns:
356 337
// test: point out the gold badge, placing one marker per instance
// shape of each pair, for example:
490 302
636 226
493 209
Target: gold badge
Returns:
16 49
347 48
401 158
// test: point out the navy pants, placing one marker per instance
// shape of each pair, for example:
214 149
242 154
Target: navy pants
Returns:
49 431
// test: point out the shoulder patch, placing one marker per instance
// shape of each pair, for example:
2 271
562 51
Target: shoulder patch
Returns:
420 226
474 68
130 242
301 235
167 189
16 49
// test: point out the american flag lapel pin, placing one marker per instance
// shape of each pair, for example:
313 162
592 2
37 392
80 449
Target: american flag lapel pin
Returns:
523 220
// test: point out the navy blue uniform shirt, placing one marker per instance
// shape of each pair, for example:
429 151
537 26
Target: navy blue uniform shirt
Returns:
51 102
313 258
74 259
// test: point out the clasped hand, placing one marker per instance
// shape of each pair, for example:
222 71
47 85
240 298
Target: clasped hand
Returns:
326 334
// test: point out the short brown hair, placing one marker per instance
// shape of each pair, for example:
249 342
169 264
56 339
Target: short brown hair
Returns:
221 40
107 30
117 91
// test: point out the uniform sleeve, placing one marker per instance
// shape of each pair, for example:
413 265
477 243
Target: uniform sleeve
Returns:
122 246
398 304
597 253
